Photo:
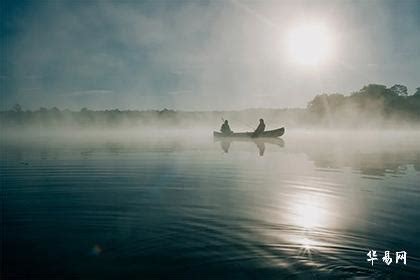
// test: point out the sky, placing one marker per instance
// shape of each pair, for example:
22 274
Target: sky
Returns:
199 55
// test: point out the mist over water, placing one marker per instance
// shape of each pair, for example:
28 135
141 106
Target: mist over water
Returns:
112 165
161 203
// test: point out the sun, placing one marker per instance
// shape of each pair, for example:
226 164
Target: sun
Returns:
310 44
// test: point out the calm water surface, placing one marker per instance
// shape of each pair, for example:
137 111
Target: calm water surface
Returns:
130 207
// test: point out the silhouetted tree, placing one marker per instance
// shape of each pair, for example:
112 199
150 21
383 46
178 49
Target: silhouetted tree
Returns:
399 90
17 108
324 103
374 90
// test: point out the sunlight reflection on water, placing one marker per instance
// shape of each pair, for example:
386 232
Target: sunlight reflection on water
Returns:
311 210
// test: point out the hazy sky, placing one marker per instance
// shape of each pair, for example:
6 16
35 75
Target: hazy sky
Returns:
198 54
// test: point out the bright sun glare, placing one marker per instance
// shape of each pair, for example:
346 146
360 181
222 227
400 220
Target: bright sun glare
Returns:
310 44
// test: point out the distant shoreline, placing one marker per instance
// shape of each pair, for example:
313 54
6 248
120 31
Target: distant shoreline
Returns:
372 106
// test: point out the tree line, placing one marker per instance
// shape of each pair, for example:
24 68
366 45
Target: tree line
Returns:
373 105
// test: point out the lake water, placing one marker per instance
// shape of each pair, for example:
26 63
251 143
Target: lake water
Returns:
175 206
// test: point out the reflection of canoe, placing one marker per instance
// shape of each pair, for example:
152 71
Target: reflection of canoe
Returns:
257 141
266 134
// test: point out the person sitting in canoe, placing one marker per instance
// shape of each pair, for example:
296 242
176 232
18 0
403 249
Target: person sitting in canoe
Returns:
225 129
260 129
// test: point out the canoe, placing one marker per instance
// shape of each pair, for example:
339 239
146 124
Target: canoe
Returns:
266 134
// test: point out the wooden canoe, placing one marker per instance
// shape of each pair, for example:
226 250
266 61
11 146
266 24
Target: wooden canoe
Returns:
266 134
